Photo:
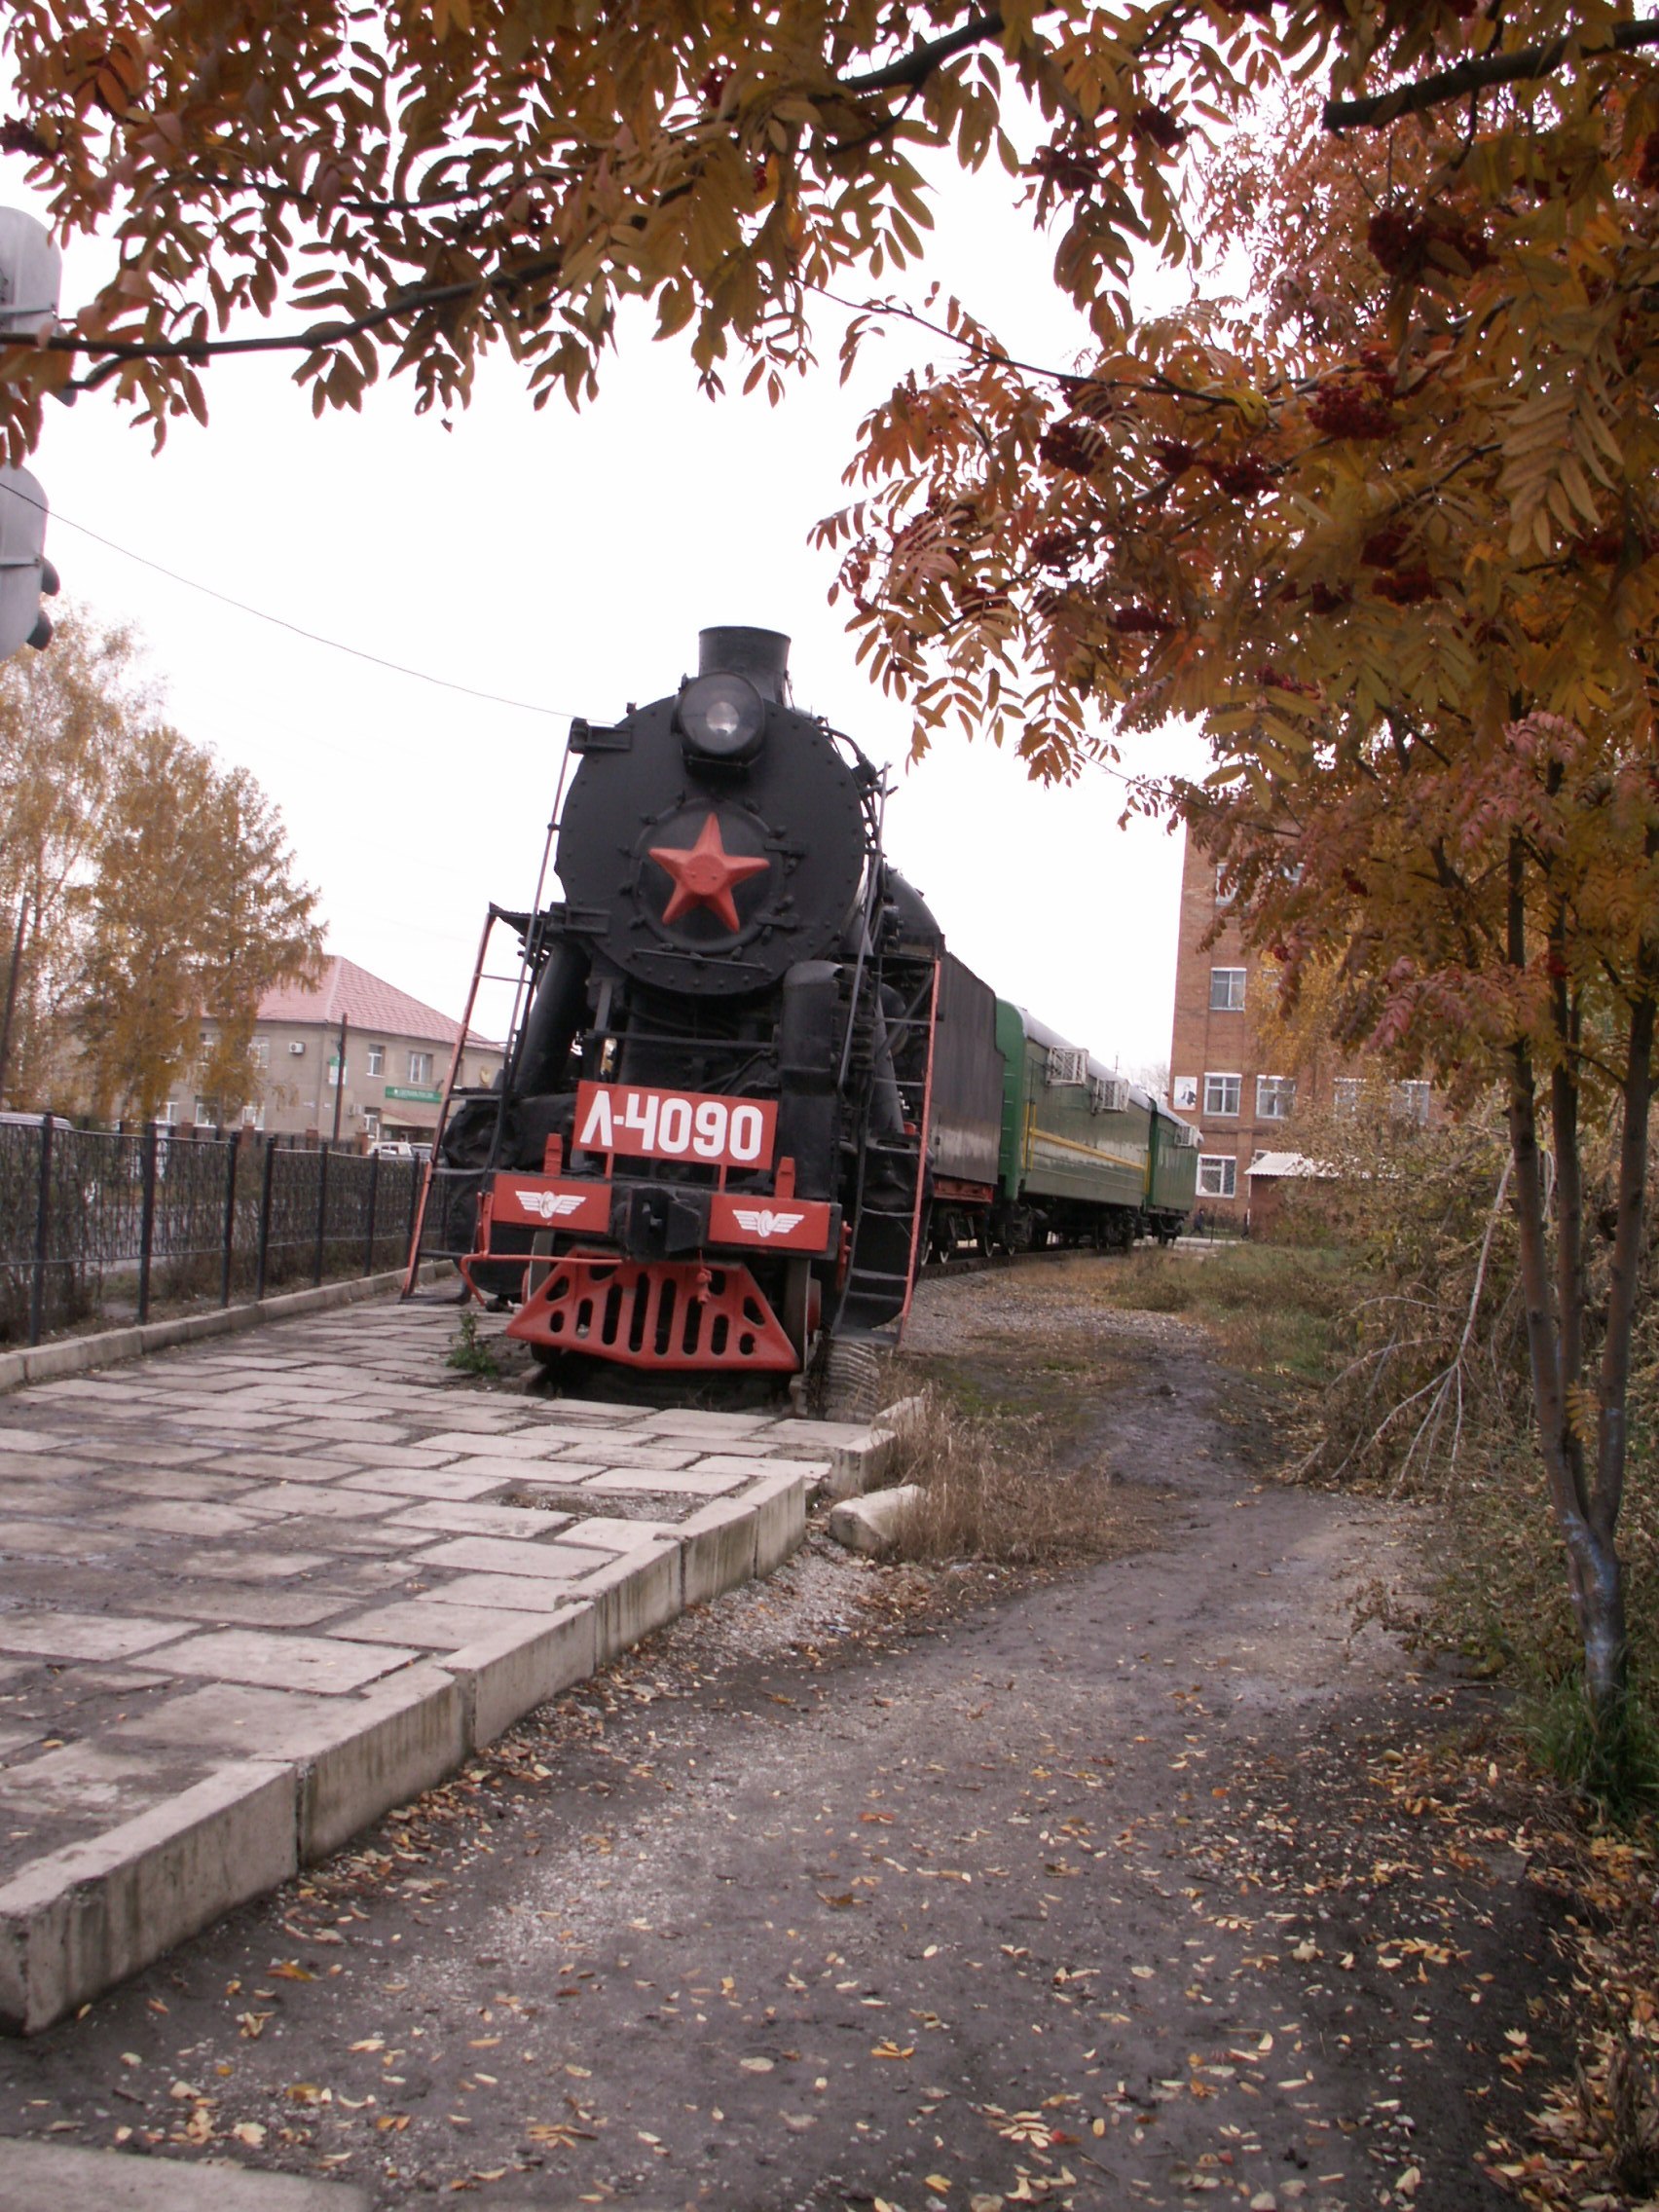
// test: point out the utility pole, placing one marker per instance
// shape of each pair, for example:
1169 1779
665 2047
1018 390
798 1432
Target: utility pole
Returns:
340 1079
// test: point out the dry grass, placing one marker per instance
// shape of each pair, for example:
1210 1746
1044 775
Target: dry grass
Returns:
992 1491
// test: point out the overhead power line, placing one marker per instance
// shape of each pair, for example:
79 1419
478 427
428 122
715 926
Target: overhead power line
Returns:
295 629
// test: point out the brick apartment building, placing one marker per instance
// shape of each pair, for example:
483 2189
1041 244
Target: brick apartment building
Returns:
1219 1074
398 1054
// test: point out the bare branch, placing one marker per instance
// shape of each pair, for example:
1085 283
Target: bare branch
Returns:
1480 72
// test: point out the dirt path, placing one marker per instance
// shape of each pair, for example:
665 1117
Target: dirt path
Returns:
1108 1893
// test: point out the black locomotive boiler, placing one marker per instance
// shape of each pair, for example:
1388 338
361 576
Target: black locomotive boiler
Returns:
743 1069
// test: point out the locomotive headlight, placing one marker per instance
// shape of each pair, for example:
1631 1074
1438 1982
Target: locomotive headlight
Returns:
722 719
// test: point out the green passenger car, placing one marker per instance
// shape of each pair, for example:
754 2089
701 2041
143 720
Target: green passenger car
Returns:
1086 1158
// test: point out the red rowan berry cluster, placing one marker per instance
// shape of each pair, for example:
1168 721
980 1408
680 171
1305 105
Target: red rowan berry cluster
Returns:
1648 176
1141 621
21 137
1407 587
1383 547
1069 168
1057 548
1323 600
1406 248
1161 127
1343 409
1271 678
1240 479
1074 446
1174 455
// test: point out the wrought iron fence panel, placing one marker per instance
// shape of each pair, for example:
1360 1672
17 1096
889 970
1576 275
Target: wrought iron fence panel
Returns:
226 1216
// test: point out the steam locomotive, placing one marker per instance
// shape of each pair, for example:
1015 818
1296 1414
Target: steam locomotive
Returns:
749 1090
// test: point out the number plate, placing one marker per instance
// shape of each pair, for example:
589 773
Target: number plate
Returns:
676 1125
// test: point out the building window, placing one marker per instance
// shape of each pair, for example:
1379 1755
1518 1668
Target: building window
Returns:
203 1114
1410 1101
1186 1094
168 1115
1276 1097
1346 1091
377 1059
1225 893
1221 1093
371 1121
254 1117
261 1051
1218 1175
421 1068
1227 990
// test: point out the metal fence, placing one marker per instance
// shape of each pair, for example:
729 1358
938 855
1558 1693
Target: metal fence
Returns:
103 1225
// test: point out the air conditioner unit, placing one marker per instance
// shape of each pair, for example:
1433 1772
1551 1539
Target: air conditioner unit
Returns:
1107 1093
1066 1063
1187 1137
297 1049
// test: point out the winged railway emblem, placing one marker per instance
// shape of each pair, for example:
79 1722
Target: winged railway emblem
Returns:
549 1204
761 1221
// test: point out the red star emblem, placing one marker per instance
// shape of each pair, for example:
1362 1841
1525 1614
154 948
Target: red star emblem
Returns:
705 874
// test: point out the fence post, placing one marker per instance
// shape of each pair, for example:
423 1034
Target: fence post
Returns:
369 1233
321 1212
233 1155
419 1170
147 1223
265 1181
42 1234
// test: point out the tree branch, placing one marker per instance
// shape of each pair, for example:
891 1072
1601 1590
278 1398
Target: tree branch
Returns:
919 64
1375 110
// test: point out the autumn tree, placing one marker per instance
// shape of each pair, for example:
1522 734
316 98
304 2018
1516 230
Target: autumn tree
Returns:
64 720
191 913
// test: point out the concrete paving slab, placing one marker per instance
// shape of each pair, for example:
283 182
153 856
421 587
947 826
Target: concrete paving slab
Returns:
238 1566
511 1592
432 1623
684 1481
556 1562
233 1604
82 1636
522 1523
281 1662
45 2176
427 1482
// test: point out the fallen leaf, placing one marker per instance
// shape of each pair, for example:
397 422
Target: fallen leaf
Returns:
888 2049
252 2133
756 2065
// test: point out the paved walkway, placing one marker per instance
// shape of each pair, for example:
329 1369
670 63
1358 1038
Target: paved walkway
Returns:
255 1593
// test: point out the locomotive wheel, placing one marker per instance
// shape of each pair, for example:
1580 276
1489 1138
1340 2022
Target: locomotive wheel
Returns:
848 1381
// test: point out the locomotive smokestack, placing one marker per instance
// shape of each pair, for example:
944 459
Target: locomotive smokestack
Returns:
760 655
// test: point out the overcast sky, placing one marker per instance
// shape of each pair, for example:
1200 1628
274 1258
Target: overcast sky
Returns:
568 560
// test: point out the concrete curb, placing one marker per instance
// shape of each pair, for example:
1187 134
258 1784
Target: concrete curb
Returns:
857 1466
73 1925
37 2176
76 1355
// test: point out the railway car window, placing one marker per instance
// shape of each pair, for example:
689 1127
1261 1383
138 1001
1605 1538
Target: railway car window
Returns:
1227 990
1276 1097
1221 1093
1218 1175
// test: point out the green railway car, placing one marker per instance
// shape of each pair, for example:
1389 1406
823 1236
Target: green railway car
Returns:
1086 1157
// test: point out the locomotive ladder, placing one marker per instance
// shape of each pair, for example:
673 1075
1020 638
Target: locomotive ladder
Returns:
521 982
870 1285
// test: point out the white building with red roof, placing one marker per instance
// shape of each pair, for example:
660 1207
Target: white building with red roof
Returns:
396 1051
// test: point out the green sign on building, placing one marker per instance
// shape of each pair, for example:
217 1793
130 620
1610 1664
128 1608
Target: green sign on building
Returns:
422 1097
